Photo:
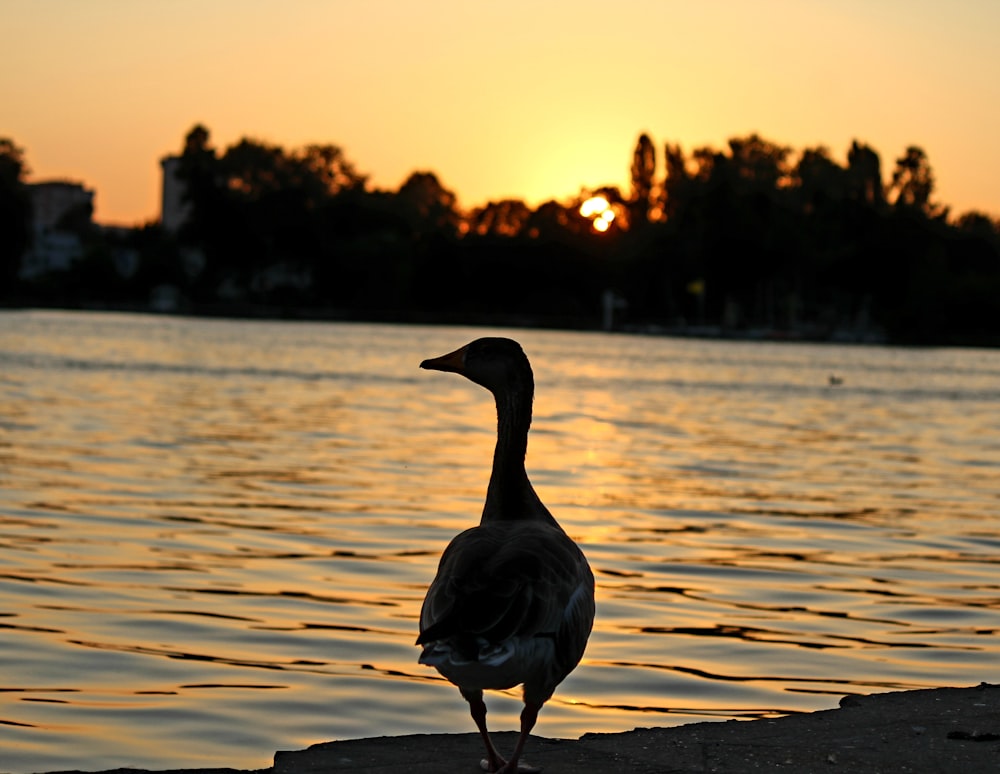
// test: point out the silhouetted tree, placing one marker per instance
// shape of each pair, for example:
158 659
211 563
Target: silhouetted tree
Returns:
203 188
818 180
428 205
676 181
327 165
759 163
266 217
864 173
643 171
979 224
15 213
913 182
506 218
552 222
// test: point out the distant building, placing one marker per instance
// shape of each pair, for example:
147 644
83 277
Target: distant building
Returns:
59 209
174 210
51 251
53 200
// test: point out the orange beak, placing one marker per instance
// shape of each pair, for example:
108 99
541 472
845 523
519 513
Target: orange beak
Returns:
453 362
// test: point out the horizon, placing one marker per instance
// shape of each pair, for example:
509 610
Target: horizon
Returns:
534 102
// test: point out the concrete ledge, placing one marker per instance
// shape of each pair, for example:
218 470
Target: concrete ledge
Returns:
935 730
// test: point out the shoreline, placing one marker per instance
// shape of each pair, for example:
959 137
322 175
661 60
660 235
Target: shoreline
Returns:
921 731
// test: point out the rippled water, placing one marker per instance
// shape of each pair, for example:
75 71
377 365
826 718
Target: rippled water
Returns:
215 535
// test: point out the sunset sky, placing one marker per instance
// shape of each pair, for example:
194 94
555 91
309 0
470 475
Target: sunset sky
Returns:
530 99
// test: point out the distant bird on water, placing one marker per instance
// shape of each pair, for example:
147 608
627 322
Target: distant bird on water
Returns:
513 600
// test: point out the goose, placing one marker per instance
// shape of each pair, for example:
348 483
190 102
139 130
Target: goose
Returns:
513 600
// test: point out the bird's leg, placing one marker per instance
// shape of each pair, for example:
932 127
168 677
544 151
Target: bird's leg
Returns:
493 761
528 717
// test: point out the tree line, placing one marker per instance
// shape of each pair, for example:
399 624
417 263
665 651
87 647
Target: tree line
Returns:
754 237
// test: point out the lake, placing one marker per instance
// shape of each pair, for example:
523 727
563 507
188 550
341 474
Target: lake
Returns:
215 535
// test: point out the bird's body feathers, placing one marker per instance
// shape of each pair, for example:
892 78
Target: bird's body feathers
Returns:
512 603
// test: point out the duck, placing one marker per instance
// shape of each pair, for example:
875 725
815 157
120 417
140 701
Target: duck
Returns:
513 599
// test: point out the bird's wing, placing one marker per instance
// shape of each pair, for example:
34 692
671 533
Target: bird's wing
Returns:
503 580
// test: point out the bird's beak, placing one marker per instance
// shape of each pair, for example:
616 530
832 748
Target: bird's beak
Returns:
453 361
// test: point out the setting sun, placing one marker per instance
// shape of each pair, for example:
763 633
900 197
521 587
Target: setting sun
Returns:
599 211
595 205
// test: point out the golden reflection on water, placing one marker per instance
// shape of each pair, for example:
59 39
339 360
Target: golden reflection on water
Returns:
215 536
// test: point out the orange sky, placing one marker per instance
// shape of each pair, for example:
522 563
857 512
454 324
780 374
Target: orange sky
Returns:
527 99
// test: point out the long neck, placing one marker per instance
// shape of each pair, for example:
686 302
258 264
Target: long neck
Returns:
510 495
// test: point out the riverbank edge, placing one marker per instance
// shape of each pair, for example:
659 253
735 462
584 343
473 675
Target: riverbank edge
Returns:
921 731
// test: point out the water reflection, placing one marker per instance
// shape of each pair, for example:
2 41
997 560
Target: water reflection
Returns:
215 536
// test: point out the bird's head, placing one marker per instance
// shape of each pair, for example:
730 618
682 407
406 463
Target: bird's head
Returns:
497 364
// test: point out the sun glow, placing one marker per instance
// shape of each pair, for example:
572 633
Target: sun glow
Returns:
595 205
599 211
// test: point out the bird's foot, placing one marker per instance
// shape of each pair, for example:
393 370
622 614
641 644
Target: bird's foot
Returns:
500 766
